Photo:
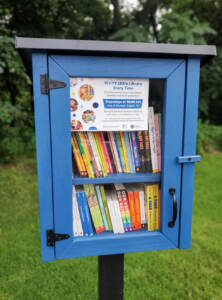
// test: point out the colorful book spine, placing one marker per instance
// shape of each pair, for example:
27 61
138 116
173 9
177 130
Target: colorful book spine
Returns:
101 152
97 209
122 210
110 153
158 141
82 214
131 153
103 213
112 211
87 214
156 206
115 152
150 207
85 156
93 134
105 151
92 209
128 150
141 151
117 213
95 154
120 149
91 154
142 206
77 225
132 208
148 163
78 157
126 208
133 137
152 136
124 151
105 204
137 208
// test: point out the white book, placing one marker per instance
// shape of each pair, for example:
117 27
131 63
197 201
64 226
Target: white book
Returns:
142 205
78 222
118 213
75 226
111 211
152 136
113 147
96 157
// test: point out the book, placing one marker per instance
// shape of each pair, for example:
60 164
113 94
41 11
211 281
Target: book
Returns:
117 212
82 214
150 207
120 150
77 225
105 204
136 195
124 147
112 211
122 208
158 141
95 154
102 210
135 151
140 189
141 151
156 206
105 151
115 152
132 209
152 136
78 157
87 214
147 155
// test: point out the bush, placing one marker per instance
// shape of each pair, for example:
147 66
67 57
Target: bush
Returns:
209 138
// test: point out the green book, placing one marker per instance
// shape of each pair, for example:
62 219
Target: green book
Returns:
105 204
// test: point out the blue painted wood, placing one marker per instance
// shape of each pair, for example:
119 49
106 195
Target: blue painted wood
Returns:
43 149
109 243
117 178
189 148
61 155
172 148
188 159
89 66
61 152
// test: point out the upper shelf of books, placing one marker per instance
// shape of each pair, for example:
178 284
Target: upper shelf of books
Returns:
116 130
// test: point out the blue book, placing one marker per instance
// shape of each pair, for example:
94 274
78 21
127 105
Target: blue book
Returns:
136 149
118 150
82 214
132 151
128 151
102 209
87 213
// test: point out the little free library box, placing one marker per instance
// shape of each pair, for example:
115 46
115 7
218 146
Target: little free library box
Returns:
116 133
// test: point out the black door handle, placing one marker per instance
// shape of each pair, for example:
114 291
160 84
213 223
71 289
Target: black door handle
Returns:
172 193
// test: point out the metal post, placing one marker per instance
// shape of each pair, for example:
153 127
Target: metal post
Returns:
111 270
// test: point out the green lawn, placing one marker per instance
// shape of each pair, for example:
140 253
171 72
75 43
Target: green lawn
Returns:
171 274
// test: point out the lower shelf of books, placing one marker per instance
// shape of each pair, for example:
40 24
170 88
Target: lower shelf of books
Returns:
116 209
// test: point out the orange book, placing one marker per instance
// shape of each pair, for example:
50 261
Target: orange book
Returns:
131 206
137 208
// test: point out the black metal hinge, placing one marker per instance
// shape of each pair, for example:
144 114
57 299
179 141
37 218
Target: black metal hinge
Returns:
49 84
53 237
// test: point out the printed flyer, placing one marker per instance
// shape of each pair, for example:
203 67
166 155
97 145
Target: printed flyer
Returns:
109 104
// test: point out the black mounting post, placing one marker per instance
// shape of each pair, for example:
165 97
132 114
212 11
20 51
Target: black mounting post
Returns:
111 270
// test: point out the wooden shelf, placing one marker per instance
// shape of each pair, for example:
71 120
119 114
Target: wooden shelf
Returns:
118 178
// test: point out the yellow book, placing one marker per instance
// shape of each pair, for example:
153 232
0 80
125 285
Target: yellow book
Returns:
85 156
125 152
156 206
97 209
78 157
101 153
150 207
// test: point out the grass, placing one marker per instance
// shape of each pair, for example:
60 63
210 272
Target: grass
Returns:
171 274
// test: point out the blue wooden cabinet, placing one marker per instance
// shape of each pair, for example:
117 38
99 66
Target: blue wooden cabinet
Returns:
178 67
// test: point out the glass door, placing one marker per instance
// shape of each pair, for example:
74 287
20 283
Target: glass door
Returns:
116 131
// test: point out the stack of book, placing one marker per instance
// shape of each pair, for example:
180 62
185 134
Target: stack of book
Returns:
118 208
97 154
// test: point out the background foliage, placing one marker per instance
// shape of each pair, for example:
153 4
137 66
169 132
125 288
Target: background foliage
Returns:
187 21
